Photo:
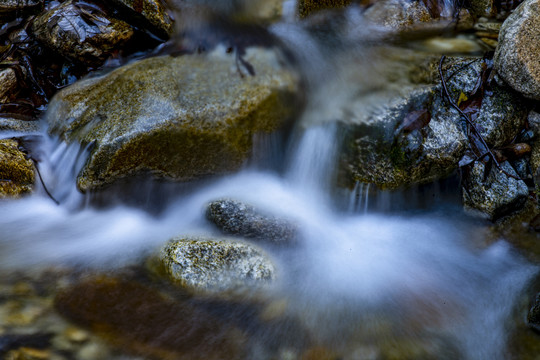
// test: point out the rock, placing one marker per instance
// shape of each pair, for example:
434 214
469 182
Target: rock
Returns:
34 340
177 117
16 172
207 265
482 8
14 6
81 32
151 14
515 58
236 218
9 85
397 14
28 354
307 7
533 318
142 320
502 114
498 195
378 150
8 125
534 123
265 11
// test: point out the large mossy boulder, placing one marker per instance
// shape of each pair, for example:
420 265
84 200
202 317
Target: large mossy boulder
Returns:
209 265
417 137
176 117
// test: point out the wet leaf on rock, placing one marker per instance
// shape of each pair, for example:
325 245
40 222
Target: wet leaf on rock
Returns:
516 151
416 120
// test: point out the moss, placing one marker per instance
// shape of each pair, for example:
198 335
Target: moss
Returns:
16 172
177 118
307 7
212 265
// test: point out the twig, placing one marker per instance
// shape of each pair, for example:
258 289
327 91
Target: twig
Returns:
470 123
42 182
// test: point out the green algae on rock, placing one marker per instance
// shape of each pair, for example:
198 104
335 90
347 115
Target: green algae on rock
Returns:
176 117
16 172
208 265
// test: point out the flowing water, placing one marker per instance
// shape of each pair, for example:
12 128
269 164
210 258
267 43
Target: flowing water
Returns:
364 283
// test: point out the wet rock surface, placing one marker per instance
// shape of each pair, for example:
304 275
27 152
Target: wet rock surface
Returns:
514 57
533 317
153 115
82 32
11 125
383 155
397 14
150 13
307 7
146 323
497 195
14 6
208 265
16 172
10 86
418 137
236 218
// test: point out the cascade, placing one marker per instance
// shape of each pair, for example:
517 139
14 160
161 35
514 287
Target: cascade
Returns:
356 279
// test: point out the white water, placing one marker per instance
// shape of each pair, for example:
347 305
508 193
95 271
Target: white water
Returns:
357 280
422 274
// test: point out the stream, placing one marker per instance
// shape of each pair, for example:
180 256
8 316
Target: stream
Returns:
373 275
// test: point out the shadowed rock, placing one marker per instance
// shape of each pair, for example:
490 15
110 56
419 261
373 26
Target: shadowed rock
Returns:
498 195
236 218
533 318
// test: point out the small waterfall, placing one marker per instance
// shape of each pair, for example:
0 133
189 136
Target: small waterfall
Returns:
356 279
313 160
359 198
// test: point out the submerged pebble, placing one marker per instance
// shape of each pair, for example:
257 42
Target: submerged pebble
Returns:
145 322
